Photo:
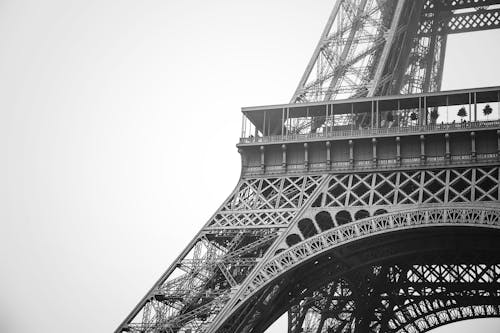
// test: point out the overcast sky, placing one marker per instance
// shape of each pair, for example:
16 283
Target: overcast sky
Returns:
118 125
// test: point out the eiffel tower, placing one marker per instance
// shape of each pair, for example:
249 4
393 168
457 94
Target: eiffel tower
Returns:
369 203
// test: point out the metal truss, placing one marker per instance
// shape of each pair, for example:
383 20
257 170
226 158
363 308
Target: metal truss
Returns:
390 222
377 201
237 270
247 242
401 282
459 16
410 187
352 43
399 298
265 202
388 47
204 277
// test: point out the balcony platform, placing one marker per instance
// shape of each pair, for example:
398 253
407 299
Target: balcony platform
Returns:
374 116
435 130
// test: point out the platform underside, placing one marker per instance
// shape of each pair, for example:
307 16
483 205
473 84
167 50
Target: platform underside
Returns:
406 281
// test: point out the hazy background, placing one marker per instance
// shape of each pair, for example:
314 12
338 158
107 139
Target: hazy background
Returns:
118 125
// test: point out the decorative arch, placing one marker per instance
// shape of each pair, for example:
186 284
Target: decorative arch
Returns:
324 220
422 217
343 217
307 228
441 316
292 239
317 250
380 211
361 214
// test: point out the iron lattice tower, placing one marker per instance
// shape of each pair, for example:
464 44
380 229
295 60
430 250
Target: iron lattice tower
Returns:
362 206
372 47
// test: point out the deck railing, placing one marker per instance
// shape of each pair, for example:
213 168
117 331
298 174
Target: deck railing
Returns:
369 132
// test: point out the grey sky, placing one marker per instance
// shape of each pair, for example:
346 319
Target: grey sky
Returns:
118 124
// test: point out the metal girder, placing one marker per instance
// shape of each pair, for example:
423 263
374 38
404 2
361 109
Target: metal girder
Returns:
454 23
447 5
389 38
236 270
354 37
396 292
402 53
221 264
199 283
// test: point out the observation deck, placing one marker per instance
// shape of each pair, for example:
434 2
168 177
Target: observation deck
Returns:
404 131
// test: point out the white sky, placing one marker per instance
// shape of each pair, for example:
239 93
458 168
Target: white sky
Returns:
118 125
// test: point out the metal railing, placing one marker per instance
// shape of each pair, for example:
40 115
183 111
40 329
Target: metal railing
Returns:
369 132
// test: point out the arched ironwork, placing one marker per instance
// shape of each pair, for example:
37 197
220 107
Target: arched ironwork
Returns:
422 217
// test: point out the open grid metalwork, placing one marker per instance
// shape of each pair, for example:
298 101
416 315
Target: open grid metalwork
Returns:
386 249
371 48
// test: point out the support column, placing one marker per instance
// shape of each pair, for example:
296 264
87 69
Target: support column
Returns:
470 107
398 150
424 112
325 133
283 160
473 185
282 123
306 156
498 149
447 154
351 153
328 155
262 159
473 146
419 112
374 147
264 125
475 107
372 116
422 149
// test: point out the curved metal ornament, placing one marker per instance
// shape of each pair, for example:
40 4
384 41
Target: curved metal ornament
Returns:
421 217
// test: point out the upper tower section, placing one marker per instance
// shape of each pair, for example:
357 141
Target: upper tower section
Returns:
388 47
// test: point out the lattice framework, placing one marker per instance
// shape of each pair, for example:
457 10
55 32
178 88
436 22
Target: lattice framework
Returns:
371 48
220 261
269 225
